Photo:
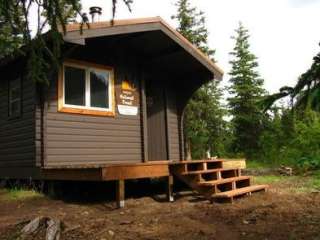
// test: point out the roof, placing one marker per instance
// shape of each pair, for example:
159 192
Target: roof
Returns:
100 29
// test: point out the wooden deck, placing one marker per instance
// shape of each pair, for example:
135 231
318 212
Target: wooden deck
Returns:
208 177
151 169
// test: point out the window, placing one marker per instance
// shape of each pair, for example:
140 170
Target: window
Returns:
14 97
86 88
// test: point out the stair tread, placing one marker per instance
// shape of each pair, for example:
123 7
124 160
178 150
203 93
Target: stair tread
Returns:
208 171
223 180
195 161
240 191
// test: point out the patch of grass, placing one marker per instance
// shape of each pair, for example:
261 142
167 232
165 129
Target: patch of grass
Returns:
314 181
268 179
253 164
20 194
296 184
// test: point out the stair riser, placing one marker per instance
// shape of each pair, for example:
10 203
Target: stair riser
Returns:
212 181
196 166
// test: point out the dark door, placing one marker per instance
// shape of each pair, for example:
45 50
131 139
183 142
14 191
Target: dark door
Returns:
156 121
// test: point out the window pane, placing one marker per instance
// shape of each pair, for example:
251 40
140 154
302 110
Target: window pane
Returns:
99 85
75 83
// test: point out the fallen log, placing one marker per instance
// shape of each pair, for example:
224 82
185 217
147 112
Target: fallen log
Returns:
53 228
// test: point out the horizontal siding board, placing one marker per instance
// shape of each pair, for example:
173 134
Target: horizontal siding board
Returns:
91 151
20 150
114 134
92 145
17 158
93 126
13 144
91 159
121 119
87 139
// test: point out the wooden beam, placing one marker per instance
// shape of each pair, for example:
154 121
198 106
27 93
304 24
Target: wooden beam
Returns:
135 171
120 193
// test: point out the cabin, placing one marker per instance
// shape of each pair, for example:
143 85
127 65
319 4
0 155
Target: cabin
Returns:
114 110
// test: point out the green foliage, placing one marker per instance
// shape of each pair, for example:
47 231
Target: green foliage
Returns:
246 91
203 116
297 145
293 137
10 37
22 194
204 124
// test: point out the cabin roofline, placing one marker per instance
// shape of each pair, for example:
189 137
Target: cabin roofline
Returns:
77 33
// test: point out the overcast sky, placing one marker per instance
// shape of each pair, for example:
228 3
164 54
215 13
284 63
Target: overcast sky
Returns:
284 33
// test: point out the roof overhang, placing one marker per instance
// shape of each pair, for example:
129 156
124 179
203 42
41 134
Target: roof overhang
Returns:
76 35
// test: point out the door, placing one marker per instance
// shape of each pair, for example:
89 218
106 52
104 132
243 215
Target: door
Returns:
156 121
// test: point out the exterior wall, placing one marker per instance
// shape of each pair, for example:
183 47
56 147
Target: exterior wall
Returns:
75 139
173 126
17 135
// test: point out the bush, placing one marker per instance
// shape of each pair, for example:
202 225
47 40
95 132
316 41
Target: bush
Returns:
297 146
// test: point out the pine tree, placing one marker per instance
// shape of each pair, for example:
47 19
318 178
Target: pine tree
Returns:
192 25
203 116
246 91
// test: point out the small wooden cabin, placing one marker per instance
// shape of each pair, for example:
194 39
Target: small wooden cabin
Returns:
114 110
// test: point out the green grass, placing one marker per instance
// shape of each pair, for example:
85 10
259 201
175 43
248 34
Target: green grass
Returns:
252 164
268 179
19 194
297 184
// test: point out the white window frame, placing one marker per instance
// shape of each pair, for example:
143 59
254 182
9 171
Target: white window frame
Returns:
87 70
13 85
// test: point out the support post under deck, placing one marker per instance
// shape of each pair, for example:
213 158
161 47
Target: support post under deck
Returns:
170 189
120 193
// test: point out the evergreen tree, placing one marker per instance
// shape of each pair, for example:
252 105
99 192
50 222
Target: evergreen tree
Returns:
192 25
203 116
246 90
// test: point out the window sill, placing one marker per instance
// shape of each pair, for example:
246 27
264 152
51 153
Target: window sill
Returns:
87 112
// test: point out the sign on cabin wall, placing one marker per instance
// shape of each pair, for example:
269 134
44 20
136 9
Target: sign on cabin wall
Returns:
127 98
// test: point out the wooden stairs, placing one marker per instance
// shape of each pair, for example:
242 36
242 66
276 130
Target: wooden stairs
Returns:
210 179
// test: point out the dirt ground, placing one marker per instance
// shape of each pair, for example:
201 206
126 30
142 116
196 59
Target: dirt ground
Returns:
277 214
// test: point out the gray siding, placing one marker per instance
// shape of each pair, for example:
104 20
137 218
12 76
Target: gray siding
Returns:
74 139
17 135
173 127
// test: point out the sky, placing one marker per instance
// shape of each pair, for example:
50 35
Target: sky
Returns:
284 33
